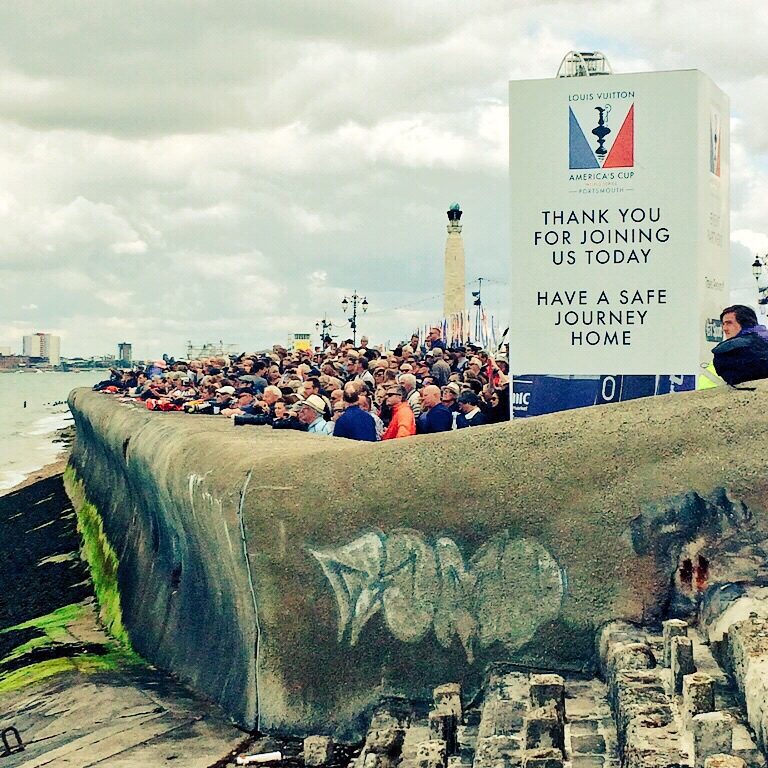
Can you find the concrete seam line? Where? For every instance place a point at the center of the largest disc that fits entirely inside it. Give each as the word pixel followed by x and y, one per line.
pixel 253 592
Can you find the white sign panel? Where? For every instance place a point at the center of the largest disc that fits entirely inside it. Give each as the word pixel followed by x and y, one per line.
pixel 619 223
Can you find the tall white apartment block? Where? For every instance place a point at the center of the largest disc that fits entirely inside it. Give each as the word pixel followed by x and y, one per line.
pixel 44 345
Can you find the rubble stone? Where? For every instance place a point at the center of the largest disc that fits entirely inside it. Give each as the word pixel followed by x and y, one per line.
pixel 543 728
pixel 672 628
pixel 724 761
pixel 698 695
pixel 746 656
pixel 447 698
pixel 681 661
pixel 431 754
pixel 318 750
pixel 712 735
pixel 588 743
pixel 543 758
pixel 385 741
pixel 443 726
pixel 547 689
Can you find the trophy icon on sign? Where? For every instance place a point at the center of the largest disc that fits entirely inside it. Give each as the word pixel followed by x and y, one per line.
pixel 602 130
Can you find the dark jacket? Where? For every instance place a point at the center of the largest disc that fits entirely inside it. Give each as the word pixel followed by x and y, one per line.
pixel 478 420
pixel 744 357
pixel 356 424
pixel 436 419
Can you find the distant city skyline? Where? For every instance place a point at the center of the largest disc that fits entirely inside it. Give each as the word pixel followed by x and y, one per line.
pixel 232 171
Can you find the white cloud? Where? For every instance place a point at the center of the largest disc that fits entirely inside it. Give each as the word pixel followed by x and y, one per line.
pixel 175 172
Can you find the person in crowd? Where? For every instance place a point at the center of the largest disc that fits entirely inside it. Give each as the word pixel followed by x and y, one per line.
pixel 743 355
pixel 440 370
pixel 364 400
pixel 284 419
pixel 354 423
pixel 402 422
pixel 244 403
pixel 310 412
pixel 435 339
pixel 449 394
pixel 471 415
pixel 412 396
pixel 363 349
pixel 312 386
pixel 357 369
pixel 435 417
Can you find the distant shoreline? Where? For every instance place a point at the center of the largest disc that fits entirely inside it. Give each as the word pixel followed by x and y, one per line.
pixel 64 436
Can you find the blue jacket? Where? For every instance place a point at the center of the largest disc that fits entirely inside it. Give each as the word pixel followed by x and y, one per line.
pixel 744 357
pixel 437 419
pixel 356 424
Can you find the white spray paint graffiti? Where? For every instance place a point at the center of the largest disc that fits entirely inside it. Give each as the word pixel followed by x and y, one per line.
pixel 509 587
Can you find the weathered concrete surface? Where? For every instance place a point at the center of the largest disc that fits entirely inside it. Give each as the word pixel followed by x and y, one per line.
pixel 129 719
pixel 375 568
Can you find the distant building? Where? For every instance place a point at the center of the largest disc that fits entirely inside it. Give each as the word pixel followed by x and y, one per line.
pixel 124 353
pixel 45 346
pixel 12 362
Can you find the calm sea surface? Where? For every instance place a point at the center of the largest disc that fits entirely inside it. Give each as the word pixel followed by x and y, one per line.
pixel 27 433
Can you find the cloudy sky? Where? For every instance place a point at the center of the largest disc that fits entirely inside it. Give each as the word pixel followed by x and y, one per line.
pixel 174 171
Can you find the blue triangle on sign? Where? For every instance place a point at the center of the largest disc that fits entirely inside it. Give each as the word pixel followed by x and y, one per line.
pixel 579 153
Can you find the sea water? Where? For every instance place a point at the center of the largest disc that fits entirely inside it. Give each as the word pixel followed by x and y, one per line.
pixel 32 408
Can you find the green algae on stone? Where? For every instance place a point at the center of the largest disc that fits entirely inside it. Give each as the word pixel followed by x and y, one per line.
pixel 114 659
pixel 100 556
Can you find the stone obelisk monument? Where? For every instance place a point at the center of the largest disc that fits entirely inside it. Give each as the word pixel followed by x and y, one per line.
pixel 453 301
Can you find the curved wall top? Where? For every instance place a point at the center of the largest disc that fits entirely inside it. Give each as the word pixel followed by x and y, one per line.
pixel 295 578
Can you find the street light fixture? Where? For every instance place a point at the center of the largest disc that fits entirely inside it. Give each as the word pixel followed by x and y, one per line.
pixel 758 272
pixel 324 327
pixel 356 299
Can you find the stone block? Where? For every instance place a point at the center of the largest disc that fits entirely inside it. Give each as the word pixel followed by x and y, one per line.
pixel 543 728
pixel 588 743
pixel 698 695
pixel 547 689
pixel 377 760
pixel 712 735
pixel 681 661
pixel 443 727
pixel 447 698
pixel 587 761
pixel 672 628
pixel 724 761
pixel 318 750
pixel 431 754
pixel 542 758
pixel 385 741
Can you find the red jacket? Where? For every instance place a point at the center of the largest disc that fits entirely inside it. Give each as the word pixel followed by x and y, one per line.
pixel 403 423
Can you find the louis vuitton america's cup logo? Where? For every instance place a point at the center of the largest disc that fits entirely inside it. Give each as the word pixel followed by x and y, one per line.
pixel 612 149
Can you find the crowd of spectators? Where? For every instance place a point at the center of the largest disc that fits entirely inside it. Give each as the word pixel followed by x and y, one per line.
pixel 341 390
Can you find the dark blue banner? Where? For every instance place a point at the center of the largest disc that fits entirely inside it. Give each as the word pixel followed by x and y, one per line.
pixel 537 395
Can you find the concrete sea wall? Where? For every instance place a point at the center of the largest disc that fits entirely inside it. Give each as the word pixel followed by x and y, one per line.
pixel 295 579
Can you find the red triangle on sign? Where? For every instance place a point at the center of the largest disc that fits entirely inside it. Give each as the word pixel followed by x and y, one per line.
pixel 622 154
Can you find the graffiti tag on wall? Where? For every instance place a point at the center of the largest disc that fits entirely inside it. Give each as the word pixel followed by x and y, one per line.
pixel 507 589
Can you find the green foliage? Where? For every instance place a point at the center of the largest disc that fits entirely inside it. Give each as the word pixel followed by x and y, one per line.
pixel 100 556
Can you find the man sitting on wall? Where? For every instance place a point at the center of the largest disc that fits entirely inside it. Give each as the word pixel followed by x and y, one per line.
pixel 743 356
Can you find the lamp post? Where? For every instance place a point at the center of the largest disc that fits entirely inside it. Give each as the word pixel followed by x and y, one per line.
pixel 356 299
pixel 759 273
pixel 324 327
